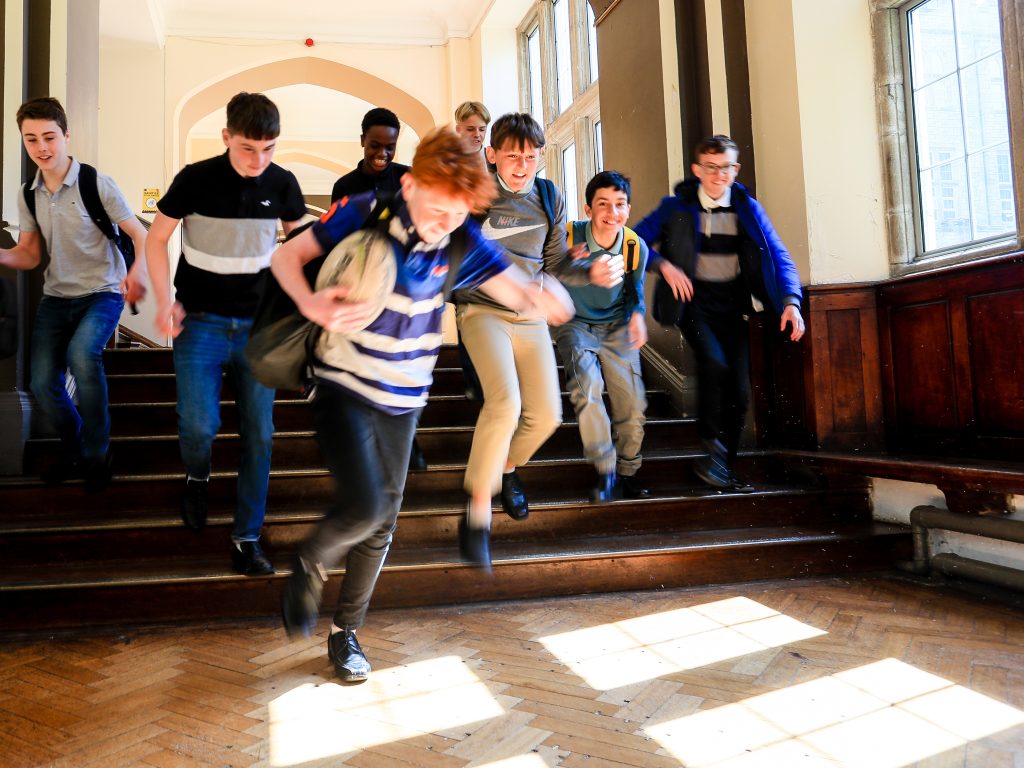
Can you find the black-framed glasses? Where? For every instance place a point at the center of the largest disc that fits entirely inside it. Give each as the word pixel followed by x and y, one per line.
pixel 714 170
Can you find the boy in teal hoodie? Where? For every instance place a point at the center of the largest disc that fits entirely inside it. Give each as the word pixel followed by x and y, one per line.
pixel 601 345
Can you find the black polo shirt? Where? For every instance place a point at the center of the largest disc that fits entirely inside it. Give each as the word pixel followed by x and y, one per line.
pixel 229 231
pixel 354 182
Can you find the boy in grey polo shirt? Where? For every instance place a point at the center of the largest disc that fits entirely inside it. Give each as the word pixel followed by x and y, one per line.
pixel 84 290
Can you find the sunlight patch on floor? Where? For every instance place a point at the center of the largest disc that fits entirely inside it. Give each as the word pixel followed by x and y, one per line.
pixel 313 722
pixel 519 761
pixel 882 715
pixel 631 651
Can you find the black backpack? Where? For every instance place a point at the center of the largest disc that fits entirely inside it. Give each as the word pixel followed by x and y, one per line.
pixel 94 207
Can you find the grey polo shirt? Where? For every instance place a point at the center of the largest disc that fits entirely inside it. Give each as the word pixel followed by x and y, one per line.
pixel 82 260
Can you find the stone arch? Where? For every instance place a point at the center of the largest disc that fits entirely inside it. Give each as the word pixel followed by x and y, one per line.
pixel 306 70
pixel 283 156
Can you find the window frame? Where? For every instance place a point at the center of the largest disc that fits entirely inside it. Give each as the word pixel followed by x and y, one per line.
pixel 574 125
pixel 894 99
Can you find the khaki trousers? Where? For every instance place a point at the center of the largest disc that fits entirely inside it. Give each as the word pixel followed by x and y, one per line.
pixel 515 361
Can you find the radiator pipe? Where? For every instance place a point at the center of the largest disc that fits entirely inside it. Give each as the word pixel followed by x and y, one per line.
pixel 963 567
pixel 925 517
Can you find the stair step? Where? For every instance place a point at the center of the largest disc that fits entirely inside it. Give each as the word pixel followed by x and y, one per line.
pixel 117 362
pixel 160 387
pixel 179 588
pixel 299 449
pixel 60 539
pixel 26 499
pixel 293 414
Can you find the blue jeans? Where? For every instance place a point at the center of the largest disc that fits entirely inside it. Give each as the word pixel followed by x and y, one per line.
pixel 595 356
pixel 71 333
pixel 207 346
pixel 367 451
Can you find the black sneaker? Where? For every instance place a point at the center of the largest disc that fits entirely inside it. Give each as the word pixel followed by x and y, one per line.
pixel 475 544
pixel 513 497
pixel 300 601
pixel 65 468
pixel 417 461
pixel 630 488
pixel 713 471
pixel 350 662
pixel 606 489
pixel 97 473
pixel 248 559
pixel 193 504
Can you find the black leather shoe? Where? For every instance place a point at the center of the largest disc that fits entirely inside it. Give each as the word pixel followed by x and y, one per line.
pixel 66 468
pixel 513 498
pixel 475 545
pixel 249 559
pixel 739 485
pixel 605 490
pixel 96 473
pixel 193 504
pixel 300 601
pixel 350 662
pixel 417 461
pixel 630 488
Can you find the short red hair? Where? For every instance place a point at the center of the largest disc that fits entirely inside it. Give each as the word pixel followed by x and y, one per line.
pixel 443 162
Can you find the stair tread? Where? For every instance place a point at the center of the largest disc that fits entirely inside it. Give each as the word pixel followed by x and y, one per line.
pixel 71 520
pixel 205 569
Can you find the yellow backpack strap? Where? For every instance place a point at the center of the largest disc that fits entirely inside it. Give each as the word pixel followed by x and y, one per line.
pixel 568 230
pixel 630 249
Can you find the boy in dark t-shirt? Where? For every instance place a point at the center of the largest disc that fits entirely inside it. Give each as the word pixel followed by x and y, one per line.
pixel 229 206
pixel 377 171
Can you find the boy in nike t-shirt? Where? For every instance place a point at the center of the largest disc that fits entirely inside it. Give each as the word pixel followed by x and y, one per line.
pixel 512 352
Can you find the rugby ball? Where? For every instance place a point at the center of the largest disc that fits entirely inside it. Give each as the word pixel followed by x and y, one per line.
pixel 366 263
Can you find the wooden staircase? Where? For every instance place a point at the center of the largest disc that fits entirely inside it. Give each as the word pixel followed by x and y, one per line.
pixel 122 556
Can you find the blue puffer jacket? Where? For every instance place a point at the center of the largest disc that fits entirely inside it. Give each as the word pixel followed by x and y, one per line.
pixel 765 264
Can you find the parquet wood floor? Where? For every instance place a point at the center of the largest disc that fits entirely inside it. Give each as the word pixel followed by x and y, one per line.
pixel 829 672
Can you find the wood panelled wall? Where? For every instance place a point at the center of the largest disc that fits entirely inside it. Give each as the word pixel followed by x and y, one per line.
pixel 928 363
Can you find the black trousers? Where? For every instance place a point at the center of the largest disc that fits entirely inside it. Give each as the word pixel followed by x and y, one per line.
pixel 716 329
pixel 367 452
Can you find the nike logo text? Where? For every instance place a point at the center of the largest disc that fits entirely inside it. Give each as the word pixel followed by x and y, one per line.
pixel 491 233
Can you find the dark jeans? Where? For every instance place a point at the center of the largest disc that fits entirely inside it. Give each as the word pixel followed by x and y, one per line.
pixel 367 451
pixel 207 346
pixel 719 336
pixel 71 333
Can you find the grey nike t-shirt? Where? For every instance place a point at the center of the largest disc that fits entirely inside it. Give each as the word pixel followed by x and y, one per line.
pixel 517 222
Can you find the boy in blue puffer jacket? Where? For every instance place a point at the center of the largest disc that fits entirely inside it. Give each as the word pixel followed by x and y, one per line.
pixel 720 259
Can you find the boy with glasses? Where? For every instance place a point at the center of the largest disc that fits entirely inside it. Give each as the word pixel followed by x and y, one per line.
pixel 720 259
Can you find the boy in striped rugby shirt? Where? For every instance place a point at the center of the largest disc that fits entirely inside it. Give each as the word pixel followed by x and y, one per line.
pixel 368 399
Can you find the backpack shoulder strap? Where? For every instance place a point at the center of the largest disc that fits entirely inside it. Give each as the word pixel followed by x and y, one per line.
pixel 569 234
pixel 30 198
pixel 630 249
pixel 546 189
pixel 91 199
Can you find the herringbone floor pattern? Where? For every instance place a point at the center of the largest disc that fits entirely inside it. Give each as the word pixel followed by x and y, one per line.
pixel 827 672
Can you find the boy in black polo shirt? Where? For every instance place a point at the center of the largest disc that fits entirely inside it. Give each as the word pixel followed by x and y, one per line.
pixel 230 206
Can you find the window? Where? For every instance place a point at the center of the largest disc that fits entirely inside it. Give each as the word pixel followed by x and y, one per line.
pixel 558 62
pixel 958 123
pixel 570 187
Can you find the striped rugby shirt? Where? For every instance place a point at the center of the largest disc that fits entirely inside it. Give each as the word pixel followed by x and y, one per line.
pixel 389 365
pixel 228 232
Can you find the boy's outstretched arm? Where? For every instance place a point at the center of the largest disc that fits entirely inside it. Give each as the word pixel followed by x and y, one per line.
pixel 26 254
